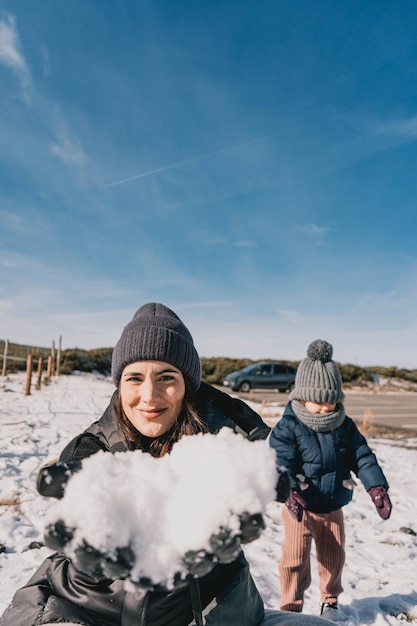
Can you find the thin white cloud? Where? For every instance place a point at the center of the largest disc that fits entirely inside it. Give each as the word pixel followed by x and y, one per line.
pixel 46 63
pixel 311 229
pixel 294 317
pixel 65 145
pixel 215 241
pixel 11 54
pixel 8 264
pixel 11 220
pixel 186 162
pixel 221 241
pixel 406 127
pixel 69 151
pixel 245 244
pixel 5 307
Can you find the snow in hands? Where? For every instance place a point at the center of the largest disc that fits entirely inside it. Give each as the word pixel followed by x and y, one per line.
pixel 149 515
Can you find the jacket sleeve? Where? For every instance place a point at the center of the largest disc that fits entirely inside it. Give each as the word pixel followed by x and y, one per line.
pixel 283 441
pixel 58 593
pixel 52 478
pixel 215 405
pixel 363 461
pixel 81 447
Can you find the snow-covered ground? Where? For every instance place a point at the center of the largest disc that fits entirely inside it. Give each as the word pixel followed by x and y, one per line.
pixel 381 565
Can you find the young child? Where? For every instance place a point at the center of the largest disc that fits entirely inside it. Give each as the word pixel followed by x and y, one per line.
pixel 320 446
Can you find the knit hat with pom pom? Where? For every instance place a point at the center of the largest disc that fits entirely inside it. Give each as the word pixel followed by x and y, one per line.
pixel 156 333
pixel 318 378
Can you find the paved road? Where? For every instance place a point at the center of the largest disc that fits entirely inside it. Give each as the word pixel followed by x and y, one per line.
pixel 396 410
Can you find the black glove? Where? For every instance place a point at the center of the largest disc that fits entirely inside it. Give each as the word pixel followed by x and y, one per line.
pixel 282 486
pixel 198 563
pixel 120 565
pixel 57 535
pixel 87 559
pixel 52 479
pixel 251 526
pixel 259 432
pixel 225 546
pixel 91 561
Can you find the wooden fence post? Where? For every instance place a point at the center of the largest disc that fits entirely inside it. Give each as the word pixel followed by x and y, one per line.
pixel 29 364
pixel 58 358
pixel 53 359
pixel 49 370
pixel 6 347
pixel 39 380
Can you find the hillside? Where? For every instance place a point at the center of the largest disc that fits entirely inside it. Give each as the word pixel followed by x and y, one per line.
pixel 214 369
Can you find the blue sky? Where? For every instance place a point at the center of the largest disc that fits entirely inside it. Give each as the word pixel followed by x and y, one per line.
pixel 249 163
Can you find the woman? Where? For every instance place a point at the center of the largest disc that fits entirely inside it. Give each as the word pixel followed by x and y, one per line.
pixel 159 398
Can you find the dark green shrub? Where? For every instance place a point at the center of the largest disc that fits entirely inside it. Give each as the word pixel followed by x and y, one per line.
pixel 98 360
pixel 353 373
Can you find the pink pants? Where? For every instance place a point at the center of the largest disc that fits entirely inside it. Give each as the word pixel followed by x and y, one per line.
pixel 328 532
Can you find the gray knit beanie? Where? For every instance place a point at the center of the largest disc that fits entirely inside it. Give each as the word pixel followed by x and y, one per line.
pixel 157 334
pixel 318 378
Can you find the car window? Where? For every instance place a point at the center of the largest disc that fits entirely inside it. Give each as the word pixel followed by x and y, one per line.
pixel 262 370
pixel 280 369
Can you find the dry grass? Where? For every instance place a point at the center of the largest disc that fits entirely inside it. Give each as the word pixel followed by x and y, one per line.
pixel 371 430
pixel 367 424
pixel 10 501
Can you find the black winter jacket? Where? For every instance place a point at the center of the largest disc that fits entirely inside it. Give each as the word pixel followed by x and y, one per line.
pixel 58 592
pixel 324 460
pixel 217 409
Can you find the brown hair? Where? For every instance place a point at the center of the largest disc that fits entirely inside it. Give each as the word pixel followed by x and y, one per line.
pixel 188 423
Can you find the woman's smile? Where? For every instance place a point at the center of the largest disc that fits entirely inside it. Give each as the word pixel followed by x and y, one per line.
pixel 150 414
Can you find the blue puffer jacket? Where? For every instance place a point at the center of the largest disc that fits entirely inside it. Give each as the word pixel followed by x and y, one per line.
pixel 325 460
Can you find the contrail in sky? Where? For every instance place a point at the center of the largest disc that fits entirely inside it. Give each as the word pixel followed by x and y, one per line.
pixel 187 162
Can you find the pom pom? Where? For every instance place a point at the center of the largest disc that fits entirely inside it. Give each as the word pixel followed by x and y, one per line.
pixel 320 350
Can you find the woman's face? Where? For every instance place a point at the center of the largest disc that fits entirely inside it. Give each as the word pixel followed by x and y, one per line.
pixel 152 395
